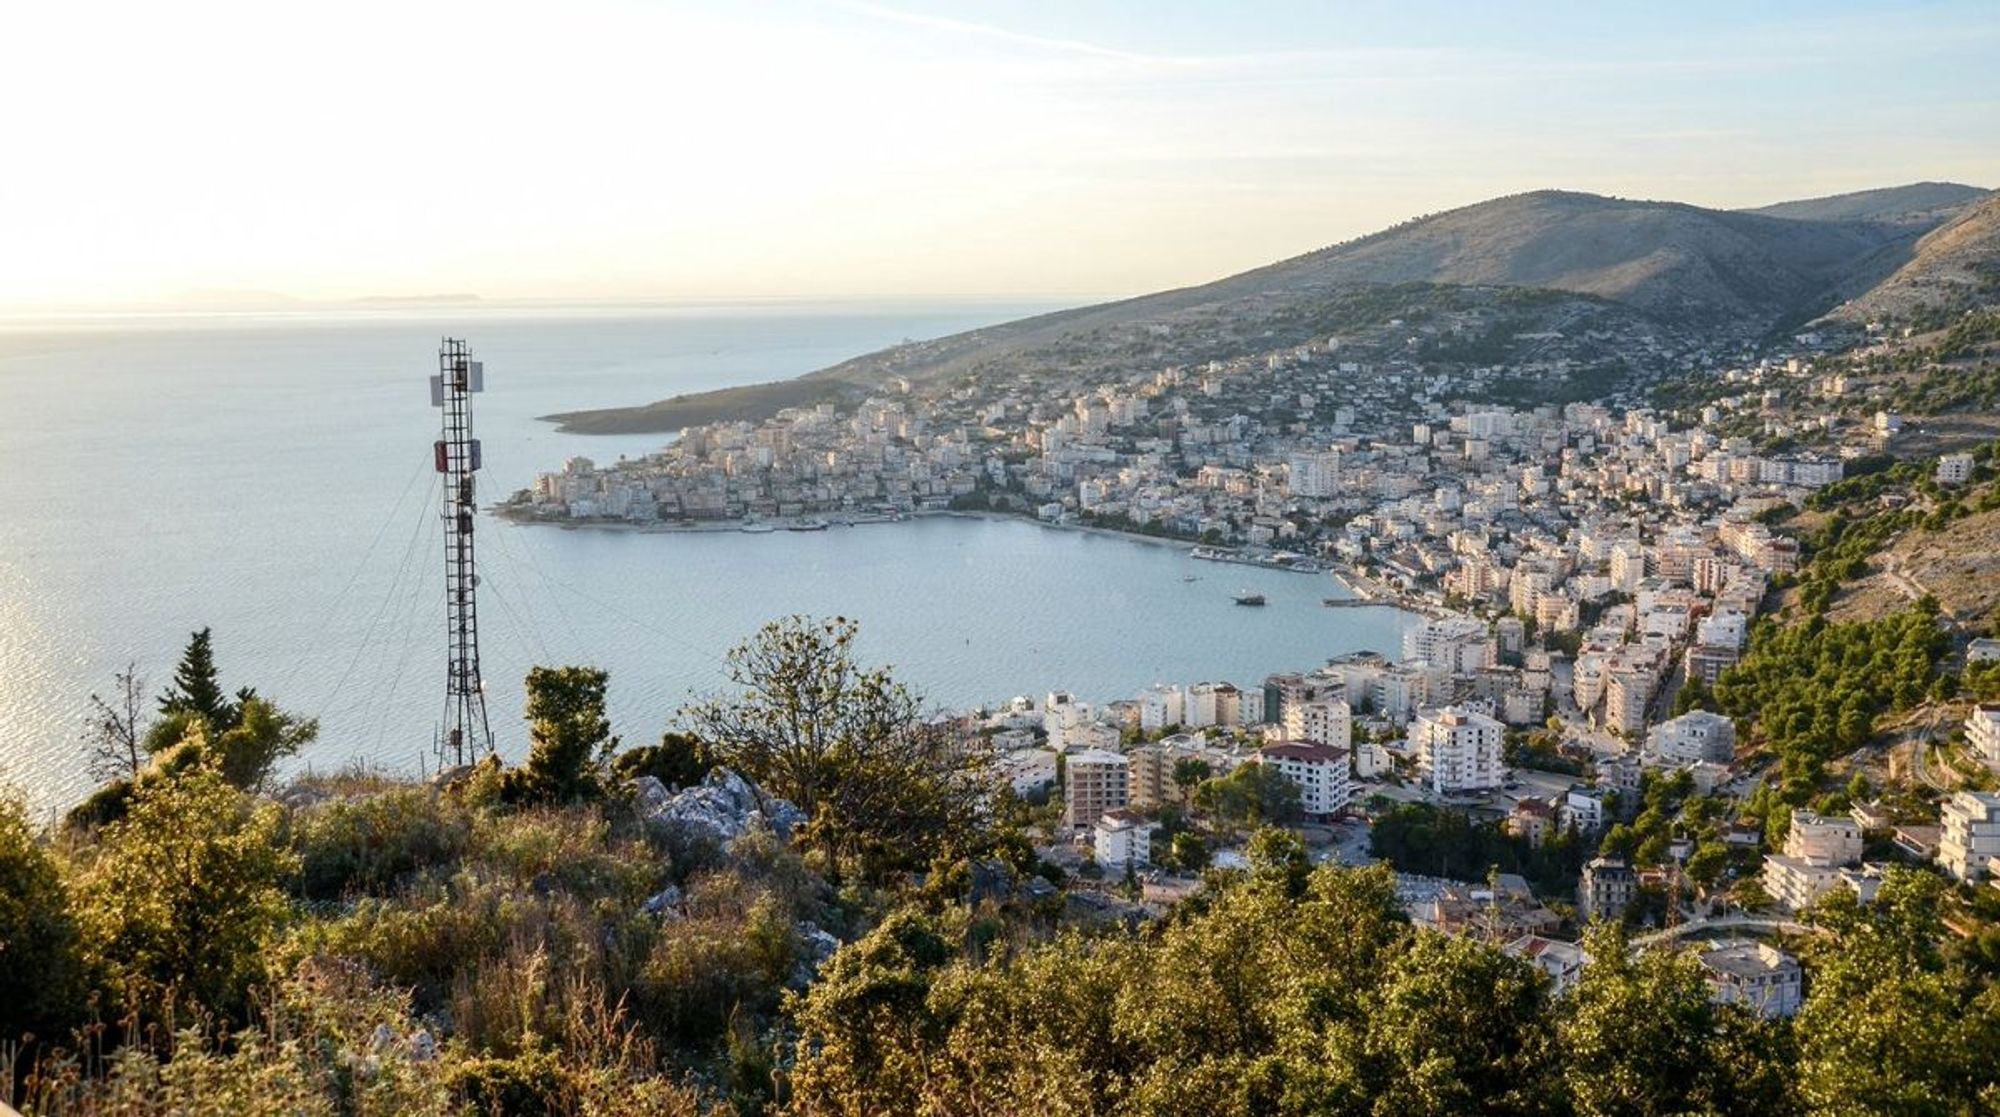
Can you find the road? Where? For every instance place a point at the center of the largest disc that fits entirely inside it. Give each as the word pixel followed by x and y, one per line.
pixel 1727 922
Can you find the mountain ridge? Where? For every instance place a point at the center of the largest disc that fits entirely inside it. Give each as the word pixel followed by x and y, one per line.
pixel 1693 271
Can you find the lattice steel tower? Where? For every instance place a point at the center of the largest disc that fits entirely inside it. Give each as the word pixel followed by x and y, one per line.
pixel 464 735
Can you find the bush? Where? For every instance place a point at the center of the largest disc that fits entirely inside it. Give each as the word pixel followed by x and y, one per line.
pixel 41 960
pixel 184 894
pixel 679 760
pixel 370 844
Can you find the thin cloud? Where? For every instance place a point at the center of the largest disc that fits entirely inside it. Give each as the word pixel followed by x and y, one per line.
pixel 992 31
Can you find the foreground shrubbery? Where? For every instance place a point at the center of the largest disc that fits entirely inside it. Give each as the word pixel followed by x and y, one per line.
pixel 1283 993
pixel 533 940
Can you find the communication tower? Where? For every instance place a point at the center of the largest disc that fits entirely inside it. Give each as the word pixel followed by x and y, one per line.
pixel 464 735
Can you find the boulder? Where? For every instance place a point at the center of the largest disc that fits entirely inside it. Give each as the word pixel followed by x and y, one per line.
pixel 723 807
pixel 816 945
pixel 666 903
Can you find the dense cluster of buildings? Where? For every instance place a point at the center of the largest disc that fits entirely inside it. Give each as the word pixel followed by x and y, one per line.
pixel 1574 565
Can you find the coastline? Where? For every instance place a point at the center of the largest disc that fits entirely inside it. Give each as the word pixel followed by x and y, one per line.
pixel 1361 586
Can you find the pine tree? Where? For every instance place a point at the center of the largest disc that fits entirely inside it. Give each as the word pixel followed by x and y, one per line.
pixel 195 691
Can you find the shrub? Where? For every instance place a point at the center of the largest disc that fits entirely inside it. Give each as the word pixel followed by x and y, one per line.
pixel 41 961
pixel 184 895
pixel 369 844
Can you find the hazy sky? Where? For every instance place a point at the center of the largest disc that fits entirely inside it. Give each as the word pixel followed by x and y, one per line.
pixel 664 148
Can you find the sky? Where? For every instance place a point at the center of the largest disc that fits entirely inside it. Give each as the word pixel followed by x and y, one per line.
pixel 670 149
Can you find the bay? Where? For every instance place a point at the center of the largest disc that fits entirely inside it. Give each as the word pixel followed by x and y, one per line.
pixel 268 475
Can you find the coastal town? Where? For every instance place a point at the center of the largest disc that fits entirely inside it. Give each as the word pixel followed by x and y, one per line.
pixel 1578 576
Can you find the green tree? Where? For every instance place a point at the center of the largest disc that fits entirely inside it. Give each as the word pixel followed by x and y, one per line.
pixel 1890 1027
pixel 1189 771
pixel 184 893
pixel 569 736
pixel 197 691
pixel 679 760
pixel 1278 856
pixel 1258 794
pixel 880 786
pixel 1189 852
pixel 262 735
pixel 1638 1036
pixel 41 964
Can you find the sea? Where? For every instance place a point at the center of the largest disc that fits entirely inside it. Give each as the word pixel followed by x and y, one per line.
pixel 268 475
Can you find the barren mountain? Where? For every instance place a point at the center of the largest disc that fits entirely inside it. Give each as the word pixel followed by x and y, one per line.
pixel 1956 263
pixel 1688 271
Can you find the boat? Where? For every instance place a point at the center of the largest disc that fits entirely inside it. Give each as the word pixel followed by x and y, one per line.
pixel 757 529
pixel 807 525
pixel 1191 578
pixel 1247 598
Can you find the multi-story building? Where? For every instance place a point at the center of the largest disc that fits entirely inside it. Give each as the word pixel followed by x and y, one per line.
pixel 1816 851
pixel 1123 842
pixel 1954 469
pixel 1162 707
pixel 1459 643
pixel 1321 772
pixel 1457 750
pixel 1605 889
pixel 1095 782
pixel 1970 839
pixel 1693 736
pixel 1563 962
pixel 1326 722
pixel 1199 707
pixel 1761 978
pixel 1982 732
pixel 1707 662
pixel 1531 820
pixel 1823 840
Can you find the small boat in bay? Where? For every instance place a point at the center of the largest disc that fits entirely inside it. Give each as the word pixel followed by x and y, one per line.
pixel 1248 598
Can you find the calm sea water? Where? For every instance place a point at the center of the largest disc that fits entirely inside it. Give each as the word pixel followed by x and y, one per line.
pixel 268 475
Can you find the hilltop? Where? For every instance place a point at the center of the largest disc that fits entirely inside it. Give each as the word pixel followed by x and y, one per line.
pixel 1651 268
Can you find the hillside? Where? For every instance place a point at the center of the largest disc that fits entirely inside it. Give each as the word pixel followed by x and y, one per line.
pixel 1688 272
pixel 1924 202
pixel 1957 262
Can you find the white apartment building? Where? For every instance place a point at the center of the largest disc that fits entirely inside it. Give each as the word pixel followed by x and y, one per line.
pixel 1971 837
pixel 1816 850
pixel 1397 692
pixel 1328 722
pixel 1321 772
pixel 1982 732
pixel 1061 712
pixel 1727 630
pixel 1095 782
pixel 1761 978
pixel 1694 736
pixel 1461 644
pixel 1315 476
pixel 1628 691
pixel 1122 842
pixel 1821 840
pixel 1198 707
pixel 1457 750
pixel 1161 707
pixel 1954 469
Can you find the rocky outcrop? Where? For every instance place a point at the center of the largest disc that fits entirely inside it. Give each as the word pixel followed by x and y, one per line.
pixel 722 808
